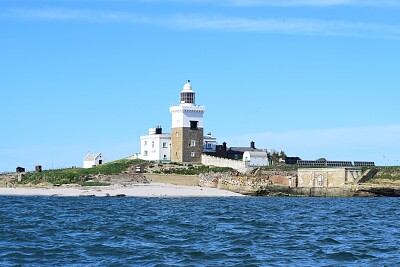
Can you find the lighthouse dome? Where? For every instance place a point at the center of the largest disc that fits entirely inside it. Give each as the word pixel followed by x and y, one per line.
pixel 187 86
pixel 187 94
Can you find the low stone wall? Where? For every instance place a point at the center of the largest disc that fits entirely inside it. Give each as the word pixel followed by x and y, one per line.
pixel 238 165
pixel 232 181
pixel 175 179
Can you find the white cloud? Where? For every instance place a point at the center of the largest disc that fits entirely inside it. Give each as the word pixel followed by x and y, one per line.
pixel 248 3
pixel 318 3
pixel 286 26
pixel 74 14
pixel 290 3
pixel 219 23
pixel 380 144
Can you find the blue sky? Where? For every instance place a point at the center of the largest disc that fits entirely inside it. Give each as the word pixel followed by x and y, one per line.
pixel 312 78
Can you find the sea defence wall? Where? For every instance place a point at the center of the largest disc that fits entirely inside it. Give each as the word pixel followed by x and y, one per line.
pixel 327 177
pixel 238 165
pixel 278 184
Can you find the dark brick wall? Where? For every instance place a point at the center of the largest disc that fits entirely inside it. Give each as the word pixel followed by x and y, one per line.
pixel 181 149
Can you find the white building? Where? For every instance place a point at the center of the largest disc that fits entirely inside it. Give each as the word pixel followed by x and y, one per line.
pixel 92 160
pixel 256 158
pixel 156 146
pixel 209 144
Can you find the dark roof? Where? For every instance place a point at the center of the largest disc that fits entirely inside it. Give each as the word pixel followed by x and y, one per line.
pixel 242 149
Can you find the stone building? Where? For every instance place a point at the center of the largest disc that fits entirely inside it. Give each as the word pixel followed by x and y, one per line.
pixel 327 177
pixel 187 128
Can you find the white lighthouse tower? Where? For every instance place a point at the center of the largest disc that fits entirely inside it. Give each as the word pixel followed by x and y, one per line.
pixel 187 128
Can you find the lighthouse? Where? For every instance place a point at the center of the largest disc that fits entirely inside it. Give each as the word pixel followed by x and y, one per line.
pixel 187 128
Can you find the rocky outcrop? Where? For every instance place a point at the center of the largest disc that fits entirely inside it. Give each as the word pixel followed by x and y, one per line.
pixel 381 191
pixel 270 184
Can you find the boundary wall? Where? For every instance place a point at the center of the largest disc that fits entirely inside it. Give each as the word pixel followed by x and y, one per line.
pixel 238 165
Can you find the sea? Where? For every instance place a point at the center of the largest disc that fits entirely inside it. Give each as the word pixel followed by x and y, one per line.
pixel 230 231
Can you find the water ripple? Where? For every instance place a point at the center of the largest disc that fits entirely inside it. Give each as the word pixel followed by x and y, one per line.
pixel 62 231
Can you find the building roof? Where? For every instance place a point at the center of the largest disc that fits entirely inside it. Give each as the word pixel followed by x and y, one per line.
pixel 242 149
pixel 153 136
pixel 91 156
pixel 257 154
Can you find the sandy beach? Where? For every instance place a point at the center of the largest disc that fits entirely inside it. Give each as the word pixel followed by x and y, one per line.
pixel 136 190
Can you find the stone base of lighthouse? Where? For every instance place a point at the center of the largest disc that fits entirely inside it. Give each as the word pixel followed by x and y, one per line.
pixel 183 149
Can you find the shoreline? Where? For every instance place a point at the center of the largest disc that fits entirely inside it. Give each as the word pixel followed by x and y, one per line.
pixel 133 190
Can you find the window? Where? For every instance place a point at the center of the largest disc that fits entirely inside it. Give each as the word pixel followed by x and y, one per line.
pixel 192 154
pixel 193 125
pixel 145 142
pixel 187 98
pixel 152 144
pixel 320 180
pixel 145 153
pixel 193 143
pixel 208 146
pixel 164 145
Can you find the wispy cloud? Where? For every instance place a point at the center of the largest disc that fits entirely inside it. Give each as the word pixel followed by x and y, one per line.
pixel 74 14
pixel 291 3
pixel 218 23
pixel 287 26
pixel 248 3
pixel 358 143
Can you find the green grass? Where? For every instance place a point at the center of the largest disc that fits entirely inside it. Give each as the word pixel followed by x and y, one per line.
pixel 281 167
pixel 195 170
pixel 388 172
pixel 73 175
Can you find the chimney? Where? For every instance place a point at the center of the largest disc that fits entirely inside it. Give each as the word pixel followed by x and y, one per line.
pixel 252 145
pixel 224 145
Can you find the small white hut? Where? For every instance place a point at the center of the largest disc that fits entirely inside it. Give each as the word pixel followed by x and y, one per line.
pixel 92 160
pixel 256 158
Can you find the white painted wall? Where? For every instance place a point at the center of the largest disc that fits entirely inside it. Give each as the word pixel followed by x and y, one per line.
pixel 182 115
pixel 209 144
pixel 238 165
pixel 157 146
pixel 256 158
pixel 90 163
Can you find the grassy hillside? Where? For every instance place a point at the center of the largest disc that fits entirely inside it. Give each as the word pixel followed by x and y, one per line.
pixel 66 176
pixel 389 175
pixel 385 175
pixel 184 169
